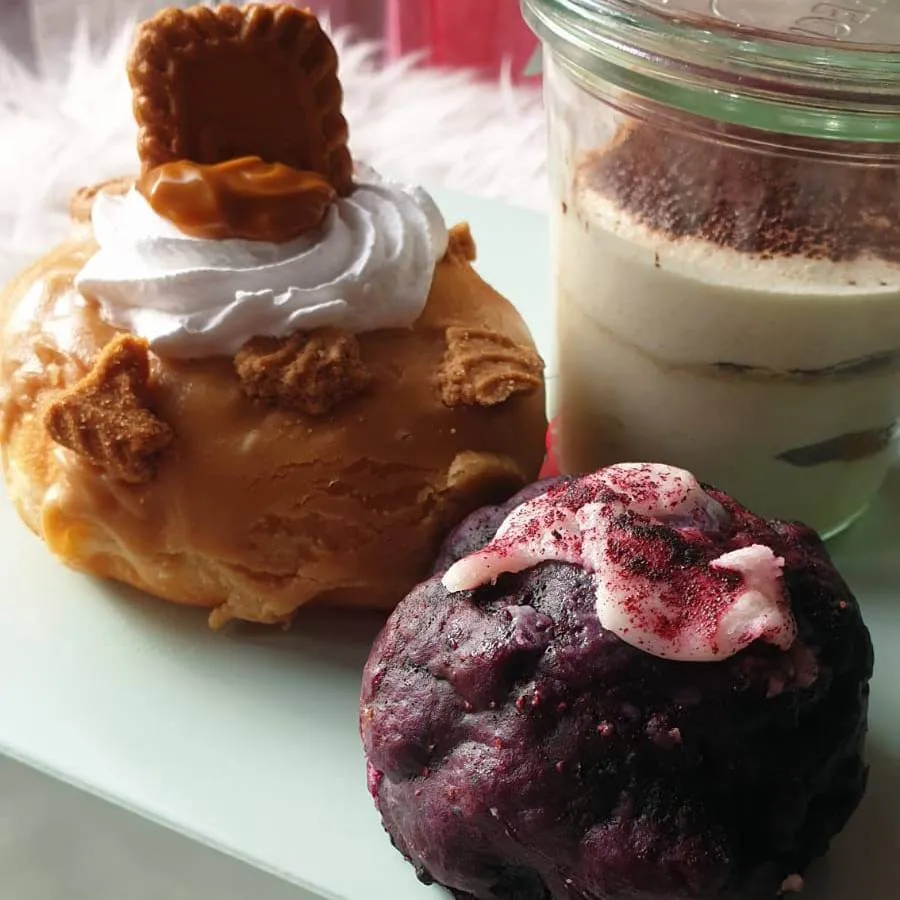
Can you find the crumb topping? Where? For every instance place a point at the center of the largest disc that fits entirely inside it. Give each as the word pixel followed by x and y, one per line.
pixel 106 418
pixel 309 372
pixel 484 368
pixel 461 244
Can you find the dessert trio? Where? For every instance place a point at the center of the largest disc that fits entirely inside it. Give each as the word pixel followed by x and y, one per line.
pixel 261 376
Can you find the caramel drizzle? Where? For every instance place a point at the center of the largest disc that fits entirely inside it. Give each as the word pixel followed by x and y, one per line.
pixel 243 198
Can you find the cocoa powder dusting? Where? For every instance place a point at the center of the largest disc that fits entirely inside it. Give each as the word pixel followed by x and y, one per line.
pixel 753 202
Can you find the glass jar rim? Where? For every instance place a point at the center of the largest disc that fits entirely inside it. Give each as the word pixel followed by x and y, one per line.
pixel 791 84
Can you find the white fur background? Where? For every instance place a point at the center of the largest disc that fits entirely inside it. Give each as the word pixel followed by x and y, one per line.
pixel 65 121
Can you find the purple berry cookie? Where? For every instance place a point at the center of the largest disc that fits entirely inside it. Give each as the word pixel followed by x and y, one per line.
pixel 620 686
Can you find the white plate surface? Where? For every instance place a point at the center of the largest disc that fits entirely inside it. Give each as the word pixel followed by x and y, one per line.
pixel 247 741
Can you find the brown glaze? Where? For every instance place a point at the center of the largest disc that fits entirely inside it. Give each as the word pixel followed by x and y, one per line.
pixel 241 198
pixel 256 511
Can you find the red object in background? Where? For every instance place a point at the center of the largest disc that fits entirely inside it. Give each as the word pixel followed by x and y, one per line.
pixel 474 34
pixel 551 466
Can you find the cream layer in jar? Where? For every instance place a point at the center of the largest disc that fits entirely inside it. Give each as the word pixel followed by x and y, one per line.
pixel 773 375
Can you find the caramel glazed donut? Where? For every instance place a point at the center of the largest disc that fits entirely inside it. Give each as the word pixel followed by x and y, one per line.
pixel 190 479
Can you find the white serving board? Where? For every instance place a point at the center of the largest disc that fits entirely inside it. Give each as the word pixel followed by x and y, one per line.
pixel 247 741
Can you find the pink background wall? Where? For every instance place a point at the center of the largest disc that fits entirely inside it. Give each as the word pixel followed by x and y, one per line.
pixel 476 34
pixel 367 15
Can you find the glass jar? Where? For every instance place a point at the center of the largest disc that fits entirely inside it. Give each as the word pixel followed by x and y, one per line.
pixel 726 182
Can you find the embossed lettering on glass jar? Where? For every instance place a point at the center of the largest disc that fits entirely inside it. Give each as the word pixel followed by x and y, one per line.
pixel 727 175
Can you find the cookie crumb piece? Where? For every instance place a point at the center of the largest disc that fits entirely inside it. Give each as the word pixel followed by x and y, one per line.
pixel 484 368
pixel 211 84
pixel 82 201
pixel 310 372
pixel 461 244
pixel 105 418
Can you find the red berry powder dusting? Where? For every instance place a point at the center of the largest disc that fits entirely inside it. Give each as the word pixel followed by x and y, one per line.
pixel 672 577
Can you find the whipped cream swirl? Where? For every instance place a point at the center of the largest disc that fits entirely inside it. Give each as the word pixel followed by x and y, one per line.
pixel 369 266
pixel 668 578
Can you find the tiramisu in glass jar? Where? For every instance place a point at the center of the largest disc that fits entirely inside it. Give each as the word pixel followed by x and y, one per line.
pixel 726 177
